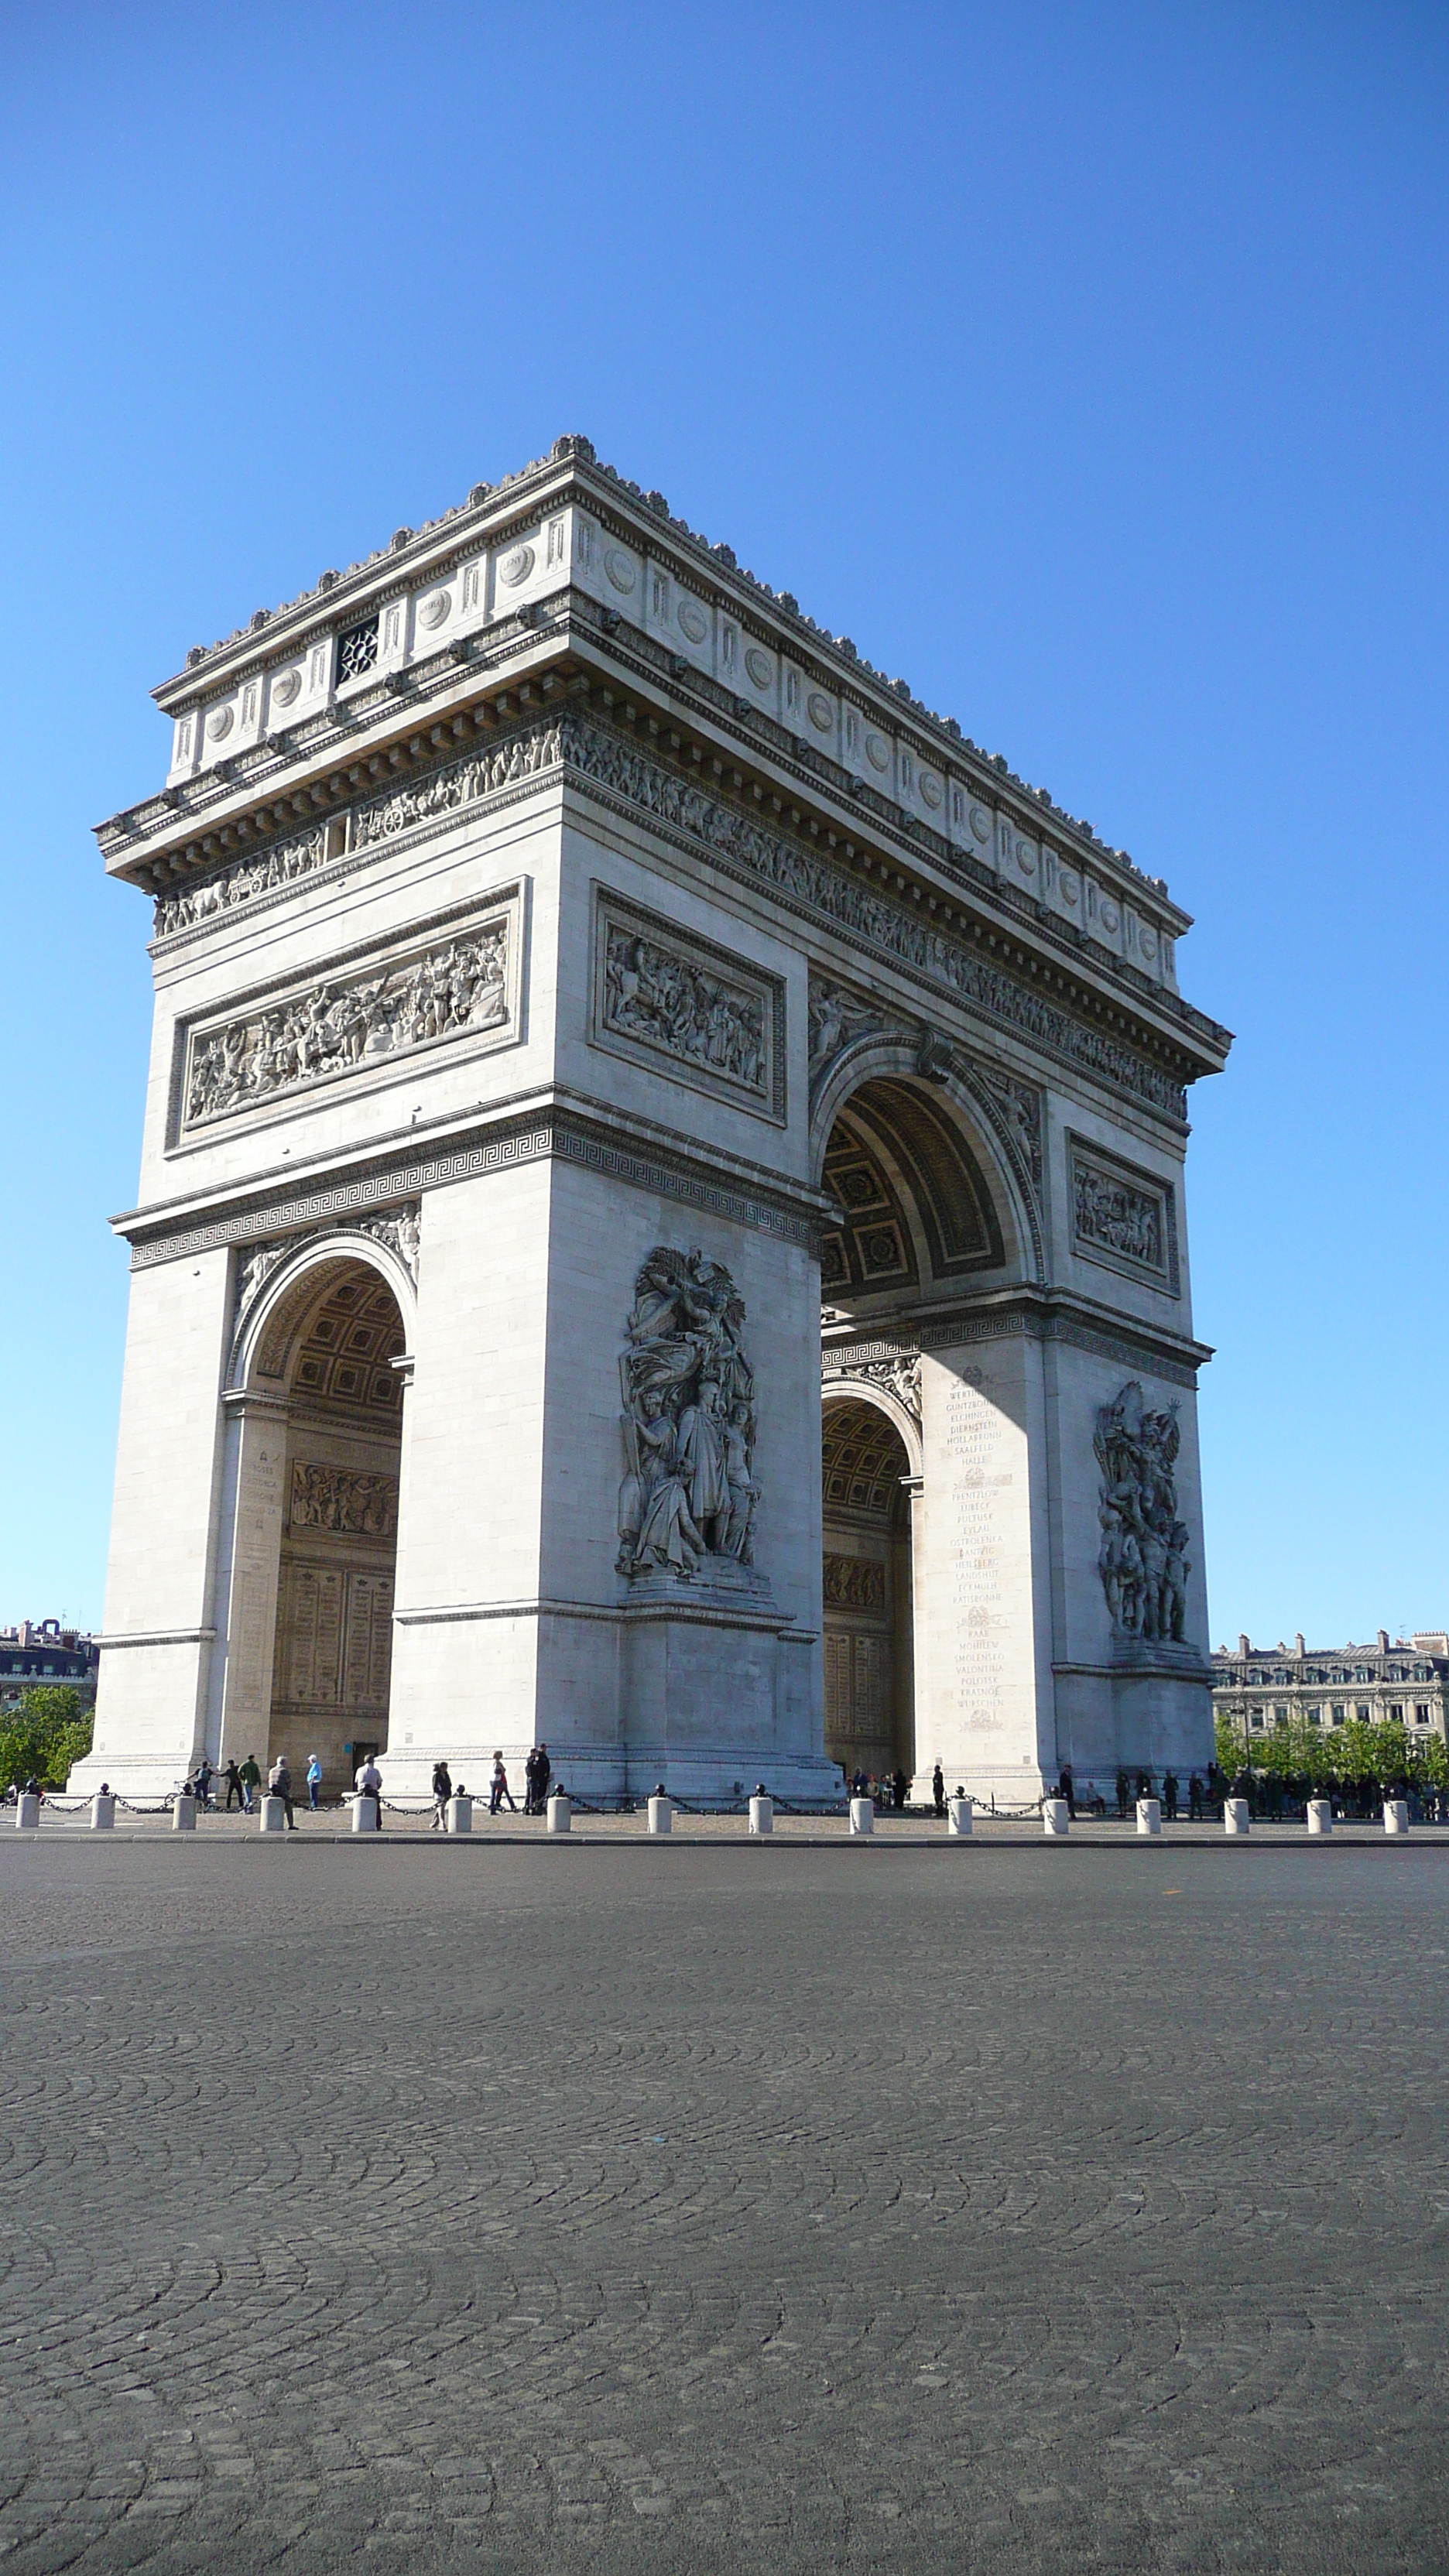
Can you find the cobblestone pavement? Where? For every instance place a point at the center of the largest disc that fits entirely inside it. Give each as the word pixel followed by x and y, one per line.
pixel 692 2210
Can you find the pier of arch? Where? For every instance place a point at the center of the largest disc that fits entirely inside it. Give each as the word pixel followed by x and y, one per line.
pixel 746 1129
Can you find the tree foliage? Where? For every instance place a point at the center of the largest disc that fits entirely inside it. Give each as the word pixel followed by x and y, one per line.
pixel 44 1737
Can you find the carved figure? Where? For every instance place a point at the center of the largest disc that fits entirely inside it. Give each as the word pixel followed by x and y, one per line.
pixel 689 1489
pixel 657 994
pixel 461 986
pixel 1117 1218
pixel 1143 1559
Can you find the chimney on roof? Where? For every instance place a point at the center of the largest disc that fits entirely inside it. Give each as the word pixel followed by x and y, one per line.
pixel 1383 1641
pixel 1299 1649
pixel 1245 1646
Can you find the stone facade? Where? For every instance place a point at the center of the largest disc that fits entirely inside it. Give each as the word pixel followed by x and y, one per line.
pixel 599 1023
pixel 1259 1688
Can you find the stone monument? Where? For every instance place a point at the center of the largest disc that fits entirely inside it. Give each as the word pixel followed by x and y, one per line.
pixel 660 1224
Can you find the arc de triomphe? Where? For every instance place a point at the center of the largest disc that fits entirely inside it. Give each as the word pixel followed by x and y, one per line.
pixel 661 1221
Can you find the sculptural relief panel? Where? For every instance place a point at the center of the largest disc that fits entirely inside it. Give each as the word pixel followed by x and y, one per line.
pixel 1143 1559
pixel 1122 1217
pixel 285 1041
pixel 688 1499
pixel 688 1008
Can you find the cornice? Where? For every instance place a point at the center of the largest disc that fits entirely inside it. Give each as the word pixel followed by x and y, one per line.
pixel 1042 1314
pixel 550 1124
pixel 491 516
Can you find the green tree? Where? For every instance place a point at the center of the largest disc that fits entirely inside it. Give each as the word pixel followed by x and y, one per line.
pixel 1231 1748
pixel 44 1737
pixel 1433 1764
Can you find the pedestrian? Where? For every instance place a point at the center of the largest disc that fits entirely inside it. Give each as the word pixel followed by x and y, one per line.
pixel 938 1790
pixel 499 1789
pixel 233 1778
pixel 204 1777
pixel 368 1784
pixel 1066 1788
pixel 1121 1793
pixel 442 1792
pixel 313 1778
pixel 1194 1800
pixel 544 1776
pixel 530 1779
pixel 251 1780
pixel 899 1785
pixel 1169 1796
pixel 279 1784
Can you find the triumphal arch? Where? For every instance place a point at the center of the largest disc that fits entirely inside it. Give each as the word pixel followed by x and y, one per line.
pixel 661 1219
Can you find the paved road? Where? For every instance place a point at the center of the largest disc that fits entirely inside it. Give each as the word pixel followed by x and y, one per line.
pixel 690 2210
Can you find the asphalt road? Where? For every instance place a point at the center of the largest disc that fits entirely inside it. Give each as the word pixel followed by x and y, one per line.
pixel 700 2208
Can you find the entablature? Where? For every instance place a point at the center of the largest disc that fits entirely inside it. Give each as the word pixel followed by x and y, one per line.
pixel 567 557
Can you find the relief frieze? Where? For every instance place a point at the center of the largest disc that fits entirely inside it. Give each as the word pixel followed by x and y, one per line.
pixel 343 1500
pixel 713 1023
pixel 854 1583
pixel 1123 1217
pixel 346 1022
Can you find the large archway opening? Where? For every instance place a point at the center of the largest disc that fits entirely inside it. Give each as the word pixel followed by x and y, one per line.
pixel 867 1588
pixel 332 1345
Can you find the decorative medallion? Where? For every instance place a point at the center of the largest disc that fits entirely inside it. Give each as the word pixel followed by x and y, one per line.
pixel 436 607
pixel 760 667
pixel 1070 885
pixel 516 566
pixel 693 621
pixel 287 690
pixel 1146 940
pixel 620 570
pixel 930 788
pixel 980 823
pixel 876 752
pixel 1111 917
pixel 1026 858
pixel 219 724
pixel 820 711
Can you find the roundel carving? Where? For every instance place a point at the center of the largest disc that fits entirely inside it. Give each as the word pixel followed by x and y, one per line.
pixel 516 566
pixel 1070 885
pixel 876 752
pixel 980 823
pixel 619 569
pixel 1026 858
pixel 287 690
pixel 930 788
pixel 760 667
pixel 1147 941
pixel 1111 917
pixel 820 711
pixel 693 621
pixel 219 724
pixel 435 607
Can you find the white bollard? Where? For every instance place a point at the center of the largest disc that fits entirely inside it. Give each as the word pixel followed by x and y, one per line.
pixel 1235 1815
pixel 103 1813
pixel 1054 1817
pixel 27 1808
pixel 661 1814
pixel 366 1815
pixel 560 1813
pixel 183 1815
pixel 1320 1815
pixel 1396 1816
pixel 762 1813
pixel 959 1814
pixel 862 1815
pixel 273 1815
pixel 460 1815
pixel 1149 1815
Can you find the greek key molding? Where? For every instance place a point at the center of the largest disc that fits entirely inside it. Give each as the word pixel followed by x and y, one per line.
pixel 661 1175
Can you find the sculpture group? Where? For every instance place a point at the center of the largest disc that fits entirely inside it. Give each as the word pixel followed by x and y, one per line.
pixel 689 1492
pixel 1143 1557
pixel 337 1026
pixel 671 1003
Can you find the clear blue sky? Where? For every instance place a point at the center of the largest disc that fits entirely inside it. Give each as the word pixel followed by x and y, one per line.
pixel 1086 364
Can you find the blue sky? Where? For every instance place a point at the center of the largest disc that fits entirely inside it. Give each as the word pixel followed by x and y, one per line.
pixel 1086 364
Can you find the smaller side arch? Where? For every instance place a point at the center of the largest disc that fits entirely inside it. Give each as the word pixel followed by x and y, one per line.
pixel 987 1133
pixel 269 1321
pixel 868 1382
